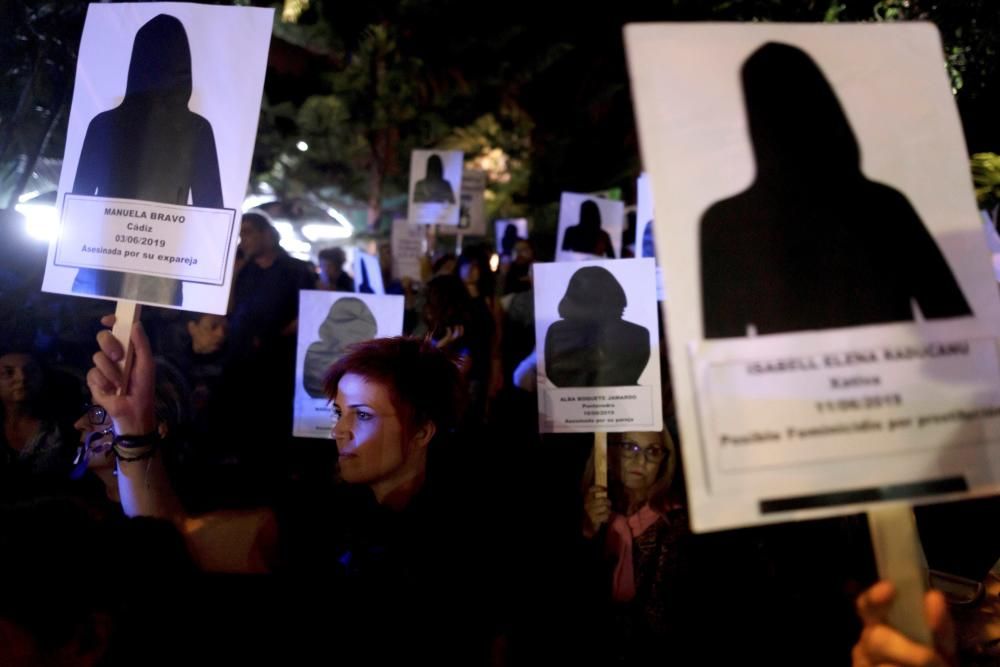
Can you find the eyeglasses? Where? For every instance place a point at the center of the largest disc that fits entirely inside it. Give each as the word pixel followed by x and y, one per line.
pixel 97 415
pixel 633 450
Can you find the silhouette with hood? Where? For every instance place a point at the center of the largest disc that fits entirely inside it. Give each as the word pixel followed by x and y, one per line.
pixel 349 321
pixel 434 188
pixel 587 236
pixel 812 243
pixel 150 147
pixel 592 346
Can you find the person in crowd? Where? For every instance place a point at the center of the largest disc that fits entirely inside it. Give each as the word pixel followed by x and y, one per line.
pixel 382 540
pixel 639 523
pixel 464 327
pixel 516 273
pixel 34 445
pixel 265 288
pixel 446 264
pixel 198 349
pixel 332 275
pixel 260 370
pixel 149 474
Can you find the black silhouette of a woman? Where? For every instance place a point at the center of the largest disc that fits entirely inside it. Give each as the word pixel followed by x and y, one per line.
pixel 812 243
pixel 433 188
pixel 587 236
pixel 150 147
pixel 592 346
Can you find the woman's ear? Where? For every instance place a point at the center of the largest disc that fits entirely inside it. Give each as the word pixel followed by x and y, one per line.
pixel 423 435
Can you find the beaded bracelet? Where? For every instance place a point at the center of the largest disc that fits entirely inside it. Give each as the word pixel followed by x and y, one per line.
pixel 131 448
pixel 131 455
pixel 130 441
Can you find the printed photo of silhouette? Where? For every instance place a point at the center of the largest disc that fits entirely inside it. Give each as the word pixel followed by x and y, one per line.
pixel 434 187
pixel 349 321
pixel 368 274
pixel 592 346
pixel 813 243
pixel 587 236
pixel 150 147
pixel 508 240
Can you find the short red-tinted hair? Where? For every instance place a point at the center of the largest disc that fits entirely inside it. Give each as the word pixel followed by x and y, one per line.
pixel 424 383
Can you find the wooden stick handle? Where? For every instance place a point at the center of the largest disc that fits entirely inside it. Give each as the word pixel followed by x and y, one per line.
pixel 601 459
pixel 900 559
pixel 126 313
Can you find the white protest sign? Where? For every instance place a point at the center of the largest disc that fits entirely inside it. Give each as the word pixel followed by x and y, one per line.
pixel 832 313
pixel 329 322
pixel 508 232
pixel 472 211
pixel 645 245
pixel 589 227
pixel 190 243
pixel 435 187
pixel 158 150
pixel 408 244
pixel 367 274
pixel 598 347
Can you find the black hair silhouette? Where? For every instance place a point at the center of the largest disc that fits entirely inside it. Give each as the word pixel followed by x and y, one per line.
pixel 434 187
pixel 150 147
pixel 365 286
pixel 587 236
pixel 592 346
pixel 812 243
pixel 349 321
pixel 508 240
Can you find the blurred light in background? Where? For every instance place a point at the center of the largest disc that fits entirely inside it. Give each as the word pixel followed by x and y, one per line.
pixel 41 218
pixel 318 232
pixel 291 242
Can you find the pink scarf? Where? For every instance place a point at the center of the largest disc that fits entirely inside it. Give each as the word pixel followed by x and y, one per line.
pixel 621 531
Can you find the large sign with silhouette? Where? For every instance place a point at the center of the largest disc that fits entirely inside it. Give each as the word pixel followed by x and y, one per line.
pixel 329 323
pixel 589 227
pixel 158 150
pixel 645 242
pixel 367 274
pixel 597 341
pixel 508 232
pixel 408 243
pixel 435 187
pixel 832 315
pixel 472 206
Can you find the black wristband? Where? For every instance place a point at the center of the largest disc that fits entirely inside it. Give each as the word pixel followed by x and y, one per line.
pixel 130 441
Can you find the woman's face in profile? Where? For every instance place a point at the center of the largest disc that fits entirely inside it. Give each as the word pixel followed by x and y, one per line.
pixel 368 431
pixel 640 458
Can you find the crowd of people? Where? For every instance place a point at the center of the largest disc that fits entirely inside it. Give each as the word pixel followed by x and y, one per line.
pixel 169 513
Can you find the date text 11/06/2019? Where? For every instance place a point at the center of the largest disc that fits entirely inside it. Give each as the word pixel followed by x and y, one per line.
pixel 859 403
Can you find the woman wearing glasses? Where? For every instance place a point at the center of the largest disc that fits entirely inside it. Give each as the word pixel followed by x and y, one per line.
pixel 639 523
